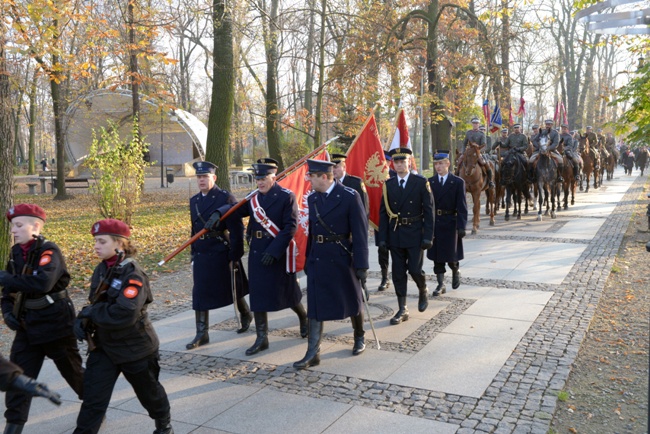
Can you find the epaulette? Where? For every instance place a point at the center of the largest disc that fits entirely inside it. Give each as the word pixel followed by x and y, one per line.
pixel 286 190
pixel 350 190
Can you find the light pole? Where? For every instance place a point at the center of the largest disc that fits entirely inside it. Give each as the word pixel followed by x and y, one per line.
pixel 162 151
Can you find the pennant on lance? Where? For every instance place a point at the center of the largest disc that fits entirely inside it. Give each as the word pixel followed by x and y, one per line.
pixel 496 122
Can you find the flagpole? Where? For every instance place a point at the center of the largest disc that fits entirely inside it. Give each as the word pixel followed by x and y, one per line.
pixel 248 197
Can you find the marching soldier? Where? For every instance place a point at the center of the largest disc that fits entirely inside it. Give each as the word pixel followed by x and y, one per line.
pixel 126 342
pixel 383 254
pixel 271 259
pixel 571 150
pixel 451 219
pixel 517 144
pixel 476 136
pixel 36 305
pixel 216 256
pixel 406 229
pixel 553 139
pixel 337 259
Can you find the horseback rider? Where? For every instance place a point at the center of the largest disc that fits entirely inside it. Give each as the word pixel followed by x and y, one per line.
pixel 534 133
pixel 476 136
pixel 553 138
pixel 516 144
pixel 592 138
pixel 499 144
pixel 610 145
pixel 571 150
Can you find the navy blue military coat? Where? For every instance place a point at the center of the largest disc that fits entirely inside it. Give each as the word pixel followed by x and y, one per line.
pixel 333 290
pixel 211 255
pixel 356 183
pixel 271 287
pixel 447 245
pixel 411 202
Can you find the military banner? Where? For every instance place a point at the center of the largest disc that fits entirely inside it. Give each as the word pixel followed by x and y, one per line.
pixel 366 159
pixel 401 137
pixel 297 182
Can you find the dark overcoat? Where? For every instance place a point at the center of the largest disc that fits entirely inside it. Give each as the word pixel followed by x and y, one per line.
pixel 271 287
pixel 333 290
pixel 411 202
pixel 211 255
pixel 356 183
pixel 449 198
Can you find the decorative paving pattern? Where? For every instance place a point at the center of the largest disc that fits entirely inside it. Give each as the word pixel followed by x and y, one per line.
pixel 521 398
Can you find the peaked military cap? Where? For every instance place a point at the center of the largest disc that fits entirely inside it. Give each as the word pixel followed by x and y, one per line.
pixel 535 126
pixel 589 127
pixel 267 160
pixel 548 121
pixel 516 126
pixel 504 130
pixel 387 156
pixel 338 158
pixel 475 120
pixel 320 166
pixel 565 125
pixel 481 128
pixel 262 170
pixel 204 167
pixel 441 155
pixel 400 153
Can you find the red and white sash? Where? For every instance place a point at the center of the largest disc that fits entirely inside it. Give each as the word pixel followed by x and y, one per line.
pixel 273 229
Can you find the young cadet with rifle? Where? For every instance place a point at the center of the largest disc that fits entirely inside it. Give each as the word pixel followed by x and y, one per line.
pixel 123 337
pixel 35 304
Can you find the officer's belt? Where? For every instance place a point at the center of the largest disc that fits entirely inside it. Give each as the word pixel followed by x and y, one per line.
pixel 329 238
pixel 213 235
pixel 408 220
pixel 446 212
pixel 262 234
pixel 46 300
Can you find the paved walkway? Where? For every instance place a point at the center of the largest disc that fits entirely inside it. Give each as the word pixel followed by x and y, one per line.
pixel 488 357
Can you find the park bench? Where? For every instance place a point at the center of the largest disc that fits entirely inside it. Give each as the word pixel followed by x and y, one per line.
pixel 72 183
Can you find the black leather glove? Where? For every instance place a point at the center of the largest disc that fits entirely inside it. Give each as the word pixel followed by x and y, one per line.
pixel 426 244
pixel 86 312
pixel 80 329
pixel 268 259
pixel 213 221
pixel 461 233
pixel 362 274
pixel 383 248
pixel 25 384
pixel 4 278
pixel 11 321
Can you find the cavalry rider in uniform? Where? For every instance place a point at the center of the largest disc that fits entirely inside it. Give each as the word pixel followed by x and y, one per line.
pixel 571 150
pixel 406 229
pixel 533 134
pixel 336 258
pixel 476 136
pixel 610 145
pixel 451 219
pixel 516 144
pixel 593 147
pixel 601 143
pixel 271 259
pixel 216 256
pixel 499 144
pixel 488 138
pixel 553 140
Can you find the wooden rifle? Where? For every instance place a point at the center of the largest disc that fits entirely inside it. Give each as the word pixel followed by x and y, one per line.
pixel 100 295
pixel 30 265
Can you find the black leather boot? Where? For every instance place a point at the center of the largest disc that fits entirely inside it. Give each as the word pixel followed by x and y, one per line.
pixel 402 313
pixel 164 426
pixel 423 301
pixel 302 317
pixel 385 283
pixel 262 330
pixel 12 428
pixel 441 288
pixel 245 315
pixel 312 357
pixel 490 177
pixel 455 278
pixel 202 336
pixel 560 169
pixel 359 333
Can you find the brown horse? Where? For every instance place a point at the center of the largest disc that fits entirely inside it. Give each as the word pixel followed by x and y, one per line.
pixel 569 184
pixel 588 163
pixel 476 182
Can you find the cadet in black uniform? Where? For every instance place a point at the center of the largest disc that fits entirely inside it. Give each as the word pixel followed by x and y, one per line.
pixel 451 219
pixel 383 256
pixel 44 324
pixel 125 340
pixel 337 259
pixel 216 256
pixel 406 229
pixel 13 379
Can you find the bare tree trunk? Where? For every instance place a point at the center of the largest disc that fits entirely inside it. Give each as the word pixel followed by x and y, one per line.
pixel 321 78
pixel 6 146
pixel 32 126
pixel 506 98
pixel 309 64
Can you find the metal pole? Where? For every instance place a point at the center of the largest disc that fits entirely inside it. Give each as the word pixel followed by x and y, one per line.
pixel 421 132
pixel 162 158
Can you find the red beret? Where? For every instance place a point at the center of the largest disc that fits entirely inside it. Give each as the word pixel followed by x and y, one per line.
pixel 26 209
pixel 111 227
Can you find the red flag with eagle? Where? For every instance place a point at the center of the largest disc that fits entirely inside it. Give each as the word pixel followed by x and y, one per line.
pixel 401 137
pixel 366 159
pixel 297 182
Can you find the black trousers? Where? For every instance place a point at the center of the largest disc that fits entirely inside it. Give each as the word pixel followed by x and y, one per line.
pixel 407 260
pixel 383 260
pixel 65 355
pixel 439 267
pixel 99 381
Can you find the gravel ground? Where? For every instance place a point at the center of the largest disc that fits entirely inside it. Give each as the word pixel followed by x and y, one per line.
pixel 607 390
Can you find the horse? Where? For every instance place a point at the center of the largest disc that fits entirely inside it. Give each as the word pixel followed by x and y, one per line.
pixel 546 174
pixel 610 165
pixel 628 162
pixel 588 163
pixel 569 184
pixel 515 179
pixel 642 159
pixel 476 182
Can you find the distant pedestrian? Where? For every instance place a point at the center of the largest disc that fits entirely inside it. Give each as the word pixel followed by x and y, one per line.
pixel 44 164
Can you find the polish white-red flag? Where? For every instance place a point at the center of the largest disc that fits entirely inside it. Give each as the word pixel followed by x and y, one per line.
pixel 401 137
pixel 297 182
pixel 366 159
pixel 522 109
